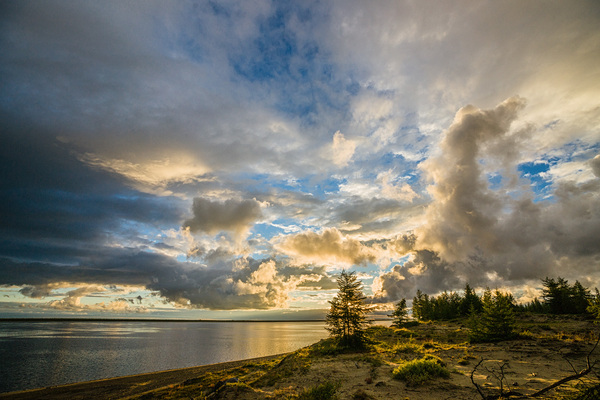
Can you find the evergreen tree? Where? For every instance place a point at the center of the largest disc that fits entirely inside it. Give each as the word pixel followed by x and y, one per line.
pixel 470 302
pixel 347 317
pixel 557 295
pixel 400 314
pixel 534 306
pixel 594 305
pixel 562 298
pixel 422 307
pixel 496 320
pixel 580 297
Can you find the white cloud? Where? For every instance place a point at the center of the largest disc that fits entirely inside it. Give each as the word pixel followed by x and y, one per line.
pixel 342 149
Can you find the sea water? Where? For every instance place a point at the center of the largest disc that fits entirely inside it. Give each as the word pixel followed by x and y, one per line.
pixel 37 354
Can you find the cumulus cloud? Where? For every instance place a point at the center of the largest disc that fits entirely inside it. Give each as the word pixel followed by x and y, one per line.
pixel 486 235
pixel 425 271
pixel 464 209
pixel 231 215
pixel 327 247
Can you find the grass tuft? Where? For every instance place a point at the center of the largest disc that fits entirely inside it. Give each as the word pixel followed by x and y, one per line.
pixel 324 391
pixel 418 371
pixel 409 347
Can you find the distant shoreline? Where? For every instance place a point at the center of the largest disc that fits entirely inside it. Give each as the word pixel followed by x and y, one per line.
pixel 77 319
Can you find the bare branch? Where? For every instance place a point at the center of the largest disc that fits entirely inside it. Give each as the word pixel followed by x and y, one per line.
pixel 571 364
pixel 569 378
pixel 473 380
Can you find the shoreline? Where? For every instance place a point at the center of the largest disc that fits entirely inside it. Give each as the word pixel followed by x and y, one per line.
pixel 150 320
pixel 130 385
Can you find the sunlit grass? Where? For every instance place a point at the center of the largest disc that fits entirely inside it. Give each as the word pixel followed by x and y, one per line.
pixel 325 391
pixel 418 371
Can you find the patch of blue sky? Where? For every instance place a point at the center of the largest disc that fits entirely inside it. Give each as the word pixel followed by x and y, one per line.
pixel 576 150
pixel 401 261
pixel 182 258
pixel 293 72
pixel 494 181
pixel 406 171
pixel 267 230
pixel 316 185
pixel 535 173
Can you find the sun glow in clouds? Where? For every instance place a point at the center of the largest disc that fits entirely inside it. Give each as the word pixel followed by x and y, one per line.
pixel 189 159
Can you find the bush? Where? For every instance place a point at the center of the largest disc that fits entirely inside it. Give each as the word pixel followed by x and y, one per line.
pixel 407 347
pixel 325 391
pixel 418 371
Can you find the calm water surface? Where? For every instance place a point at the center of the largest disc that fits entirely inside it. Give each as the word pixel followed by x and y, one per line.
pixel 49 353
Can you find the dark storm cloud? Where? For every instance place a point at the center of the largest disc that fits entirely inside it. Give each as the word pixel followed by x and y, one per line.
pixel 236 283
pixel 53 207
pixel 230 215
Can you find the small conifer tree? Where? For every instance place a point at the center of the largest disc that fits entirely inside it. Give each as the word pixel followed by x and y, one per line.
pixel 400 314
pixel 594 306
pixel 347 317
pixel 496 321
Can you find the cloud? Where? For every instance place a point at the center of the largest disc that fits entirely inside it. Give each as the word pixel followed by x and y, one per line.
pixel 116 117
pixel 72 300
pixel 491 235
pixel 328 247
pixel 425 271
pixel 464 209
pixel 342 149
pixel 230 282
pixel 230 215
pixel 595 163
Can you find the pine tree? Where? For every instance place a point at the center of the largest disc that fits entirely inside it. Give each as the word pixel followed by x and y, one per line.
pixel 562 298
pixel 556 295
pixel 496 321
pixel 594 305
pixel 422 307
pixel 400 314
pixel 580 297
pixel 470 302
pixel 347 317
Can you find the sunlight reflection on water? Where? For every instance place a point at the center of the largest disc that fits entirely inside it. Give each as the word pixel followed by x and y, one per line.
pixel 38 354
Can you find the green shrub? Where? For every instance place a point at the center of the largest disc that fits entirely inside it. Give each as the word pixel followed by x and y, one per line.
pixel 418 371
pixel 325 391
pixel 326 347
pixel 407 347
pixel 404 333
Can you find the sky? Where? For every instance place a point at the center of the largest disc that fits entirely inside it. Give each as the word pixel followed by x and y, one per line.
pixel 226 159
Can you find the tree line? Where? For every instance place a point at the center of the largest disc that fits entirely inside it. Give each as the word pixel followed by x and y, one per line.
pixel 491 315
pixel 558 297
